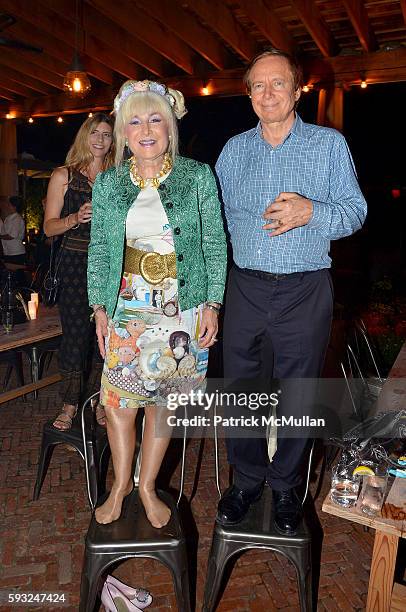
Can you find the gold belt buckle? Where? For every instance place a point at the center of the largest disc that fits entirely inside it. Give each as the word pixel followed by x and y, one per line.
pixel 153 267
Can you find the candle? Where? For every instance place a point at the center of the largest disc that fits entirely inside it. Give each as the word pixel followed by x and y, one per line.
pixel 35 298
pixel 32 309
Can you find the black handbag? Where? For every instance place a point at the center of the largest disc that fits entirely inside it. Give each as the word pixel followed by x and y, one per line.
pixel 51 284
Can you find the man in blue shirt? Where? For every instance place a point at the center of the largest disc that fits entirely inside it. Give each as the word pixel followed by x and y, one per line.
pixel 288 188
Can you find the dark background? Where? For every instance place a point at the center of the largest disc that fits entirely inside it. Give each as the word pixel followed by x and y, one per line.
pixel 374 128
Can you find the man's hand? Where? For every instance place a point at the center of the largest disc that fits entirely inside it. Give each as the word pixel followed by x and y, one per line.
pixel 287 211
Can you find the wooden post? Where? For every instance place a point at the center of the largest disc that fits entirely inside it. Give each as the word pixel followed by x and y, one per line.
pixel 330 107
pixel 321 107
pixel 382 572
pixel 8 159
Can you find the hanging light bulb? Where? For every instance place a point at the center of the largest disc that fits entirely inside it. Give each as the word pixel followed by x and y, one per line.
pixel 305 88
pixel 60 119
pixel 30 120
pixel 364 84
pixel 90 115
pixel 76 82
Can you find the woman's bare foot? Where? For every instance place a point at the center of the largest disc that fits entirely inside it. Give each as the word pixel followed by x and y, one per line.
pixel 157 512
pixel 111 509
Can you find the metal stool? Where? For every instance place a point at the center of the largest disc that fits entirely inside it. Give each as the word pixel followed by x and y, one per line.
pixel 94 452
pixel 256 531
pixel 132 535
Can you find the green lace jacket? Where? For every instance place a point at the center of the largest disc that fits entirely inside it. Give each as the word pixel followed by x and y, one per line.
pixel 190 198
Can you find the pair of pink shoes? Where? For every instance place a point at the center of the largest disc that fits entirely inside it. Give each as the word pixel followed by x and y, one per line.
pixel 119 597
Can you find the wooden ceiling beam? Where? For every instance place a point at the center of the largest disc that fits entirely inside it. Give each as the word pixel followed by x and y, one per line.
pixel 101 42
pixel 97 48
pixel 403 7
pixel 359 18
pixel 220 19
pixel 322 73
pixel 37 15
pixel 6 95
pixel 311 17
pixel 188 29
pixel 23 79
pixel 55 57
pixel 262 15
pixel 20 63
pixel 60 104
pixel 102 28
pixel 153 33
pixel 7 83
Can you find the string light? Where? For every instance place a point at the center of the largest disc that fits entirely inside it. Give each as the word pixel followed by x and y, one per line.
pixel 10 116
pixel 30 120
pixel 60 119
pixel 90 115
pixel 305 88
pixel 364 85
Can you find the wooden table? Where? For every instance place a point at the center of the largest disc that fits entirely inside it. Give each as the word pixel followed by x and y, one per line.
pixel 383 594
pixel 31 336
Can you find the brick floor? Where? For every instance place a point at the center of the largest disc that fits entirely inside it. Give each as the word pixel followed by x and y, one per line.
pixel 42 542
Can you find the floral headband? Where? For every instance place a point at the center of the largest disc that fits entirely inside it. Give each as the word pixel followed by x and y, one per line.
pixel 173 96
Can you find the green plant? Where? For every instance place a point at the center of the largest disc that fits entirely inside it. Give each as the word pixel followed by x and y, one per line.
pixel 33 212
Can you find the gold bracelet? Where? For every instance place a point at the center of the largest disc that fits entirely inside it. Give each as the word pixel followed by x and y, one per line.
pixel 66 222
pixel 96 309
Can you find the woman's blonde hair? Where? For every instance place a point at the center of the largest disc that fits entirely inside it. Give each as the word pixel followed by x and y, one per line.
pixel 79 156
pixel 138 103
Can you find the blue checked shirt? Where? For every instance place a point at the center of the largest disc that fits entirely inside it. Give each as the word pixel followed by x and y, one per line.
pixel 314 162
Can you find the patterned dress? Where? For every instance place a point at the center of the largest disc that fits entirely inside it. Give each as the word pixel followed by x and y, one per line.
pixel 152 347
pixel 78 333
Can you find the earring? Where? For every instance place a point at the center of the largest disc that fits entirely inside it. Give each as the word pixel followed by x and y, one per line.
pixel 126 142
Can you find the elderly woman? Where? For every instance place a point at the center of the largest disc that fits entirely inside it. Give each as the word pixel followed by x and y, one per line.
pixel 156 274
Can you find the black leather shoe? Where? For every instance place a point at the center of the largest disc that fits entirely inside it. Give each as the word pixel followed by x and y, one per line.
pixel 235 503
pixel 288 511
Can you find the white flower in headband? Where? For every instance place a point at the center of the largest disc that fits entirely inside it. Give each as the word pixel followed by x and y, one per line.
pixel 175 98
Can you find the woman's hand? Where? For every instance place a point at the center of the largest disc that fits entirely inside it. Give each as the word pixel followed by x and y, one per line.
pixel 85 213
pixel 209 328
pixel 100 318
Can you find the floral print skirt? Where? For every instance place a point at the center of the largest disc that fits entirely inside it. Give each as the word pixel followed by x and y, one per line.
pixel 151 347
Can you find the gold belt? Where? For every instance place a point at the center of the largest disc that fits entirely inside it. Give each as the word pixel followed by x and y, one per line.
pixel 152 266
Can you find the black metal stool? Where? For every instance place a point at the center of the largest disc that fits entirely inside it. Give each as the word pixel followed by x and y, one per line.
pixel 132 535
pixel 93 452
pixel 256 531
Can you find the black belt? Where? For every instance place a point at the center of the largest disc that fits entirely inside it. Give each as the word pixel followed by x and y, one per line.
pixel 270 276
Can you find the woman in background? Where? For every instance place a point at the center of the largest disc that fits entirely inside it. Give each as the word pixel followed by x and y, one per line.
pixel 68 212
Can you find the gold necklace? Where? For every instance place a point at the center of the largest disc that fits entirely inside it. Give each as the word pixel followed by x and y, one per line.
pixel 154 181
